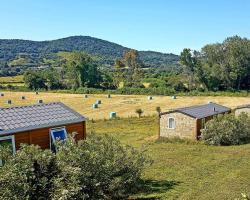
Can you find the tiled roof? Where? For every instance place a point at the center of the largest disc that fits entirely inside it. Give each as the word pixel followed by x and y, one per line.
pixel 24 118
pixel 202 111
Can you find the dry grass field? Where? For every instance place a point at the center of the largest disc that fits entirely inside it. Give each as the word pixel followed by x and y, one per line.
pixel 11 79
pixel 124 105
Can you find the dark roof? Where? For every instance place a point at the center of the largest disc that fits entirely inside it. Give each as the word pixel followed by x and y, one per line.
pixel 24 118
pixel 243 106
pixel 202 111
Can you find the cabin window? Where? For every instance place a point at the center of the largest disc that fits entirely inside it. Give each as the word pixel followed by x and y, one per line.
pixel 9 143
pixel 57 134
pixel 171 123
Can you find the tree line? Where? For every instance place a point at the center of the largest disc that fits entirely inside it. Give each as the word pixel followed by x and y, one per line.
pixel 220 66
pixel 216 67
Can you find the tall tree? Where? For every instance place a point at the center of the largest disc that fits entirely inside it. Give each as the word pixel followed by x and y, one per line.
pixel 81 71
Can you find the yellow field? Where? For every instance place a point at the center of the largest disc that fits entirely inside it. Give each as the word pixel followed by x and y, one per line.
pixel 124 105
pixel 11 79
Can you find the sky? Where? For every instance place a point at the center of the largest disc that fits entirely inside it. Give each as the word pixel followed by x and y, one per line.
pixel 159 25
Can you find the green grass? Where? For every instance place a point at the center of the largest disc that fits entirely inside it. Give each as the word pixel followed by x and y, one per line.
pixel 182 169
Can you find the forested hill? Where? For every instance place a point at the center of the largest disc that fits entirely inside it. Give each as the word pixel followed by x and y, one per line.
pixel 35 51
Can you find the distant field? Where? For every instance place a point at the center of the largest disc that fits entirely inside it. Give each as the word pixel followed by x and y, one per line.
pixel 12 79
pixel 190 171
pixel 124 105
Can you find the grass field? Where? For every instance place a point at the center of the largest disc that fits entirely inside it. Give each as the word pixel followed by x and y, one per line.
pixel 124 105
pixel 180 170
pixel 12 79
pixel 183 170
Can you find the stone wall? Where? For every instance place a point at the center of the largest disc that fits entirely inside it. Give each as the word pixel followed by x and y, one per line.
pixel 240 110
pixel 185 126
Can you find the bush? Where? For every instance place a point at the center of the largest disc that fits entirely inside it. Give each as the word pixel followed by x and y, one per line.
pixel 227 130
pixel 97 168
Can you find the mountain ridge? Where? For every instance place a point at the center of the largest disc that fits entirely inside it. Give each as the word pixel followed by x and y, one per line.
pixel 10 49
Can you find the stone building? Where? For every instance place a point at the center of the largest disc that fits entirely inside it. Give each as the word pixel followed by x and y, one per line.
pixel 189 121
pixel 242 109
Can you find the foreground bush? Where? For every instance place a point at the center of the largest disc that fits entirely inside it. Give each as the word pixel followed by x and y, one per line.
pixel 227 130
pixel 97 168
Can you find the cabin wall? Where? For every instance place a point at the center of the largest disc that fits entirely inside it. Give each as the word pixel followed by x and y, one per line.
pixel 41 136
pixel 185 126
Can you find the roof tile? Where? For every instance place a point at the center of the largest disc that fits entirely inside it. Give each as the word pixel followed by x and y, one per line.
pixel 24 118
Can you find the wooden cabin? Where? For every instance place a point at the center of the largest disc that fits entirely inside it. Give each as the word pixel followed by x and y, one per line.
pixel 187 123
pixel 39 124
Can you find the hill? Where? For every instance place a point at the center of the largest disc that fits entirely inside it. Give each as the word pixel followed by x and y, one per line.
pixel 36 51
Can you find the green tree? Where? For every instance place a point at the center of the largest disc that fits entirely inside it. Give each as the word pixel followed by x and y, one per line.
pixel 158 109
pixel 52 78
pixel 34 80
pixel 81 71
pixel 139 111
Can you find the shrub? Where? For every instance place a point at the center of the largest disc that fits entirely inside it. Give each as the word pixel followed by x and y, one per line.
pixel 158 109
pixel 139 111
pixel 28 175
pixel 227 130
pixel 99 167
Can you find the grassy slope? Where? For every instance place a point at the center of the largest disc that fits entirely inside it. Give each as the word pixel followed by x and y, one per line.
pixel 182 170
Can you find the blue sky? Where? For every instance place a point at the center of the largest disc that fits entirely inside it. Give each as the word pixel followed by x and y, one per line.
pixel 159 25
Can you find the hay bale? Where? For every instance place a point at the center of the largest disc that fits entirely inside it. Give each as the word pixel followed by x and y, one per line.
pixel 112 115
pixel 173 97
pixel 23 97
pixel 95 106
pixel 98 102
pixel 85 96
pixel 37 93
pixel 40 101
pixel 9 102
pixel 109 96
pixel 2 94
pixel 150 98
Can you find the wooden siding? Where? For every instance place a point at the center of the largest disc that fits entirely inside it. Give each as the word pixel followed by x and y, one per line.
pixel 41 136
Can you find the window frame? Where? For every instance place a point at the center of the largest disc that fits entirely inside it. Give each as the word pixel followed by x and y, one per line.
pixel 174 123
pixel 12 138
pixel 51 136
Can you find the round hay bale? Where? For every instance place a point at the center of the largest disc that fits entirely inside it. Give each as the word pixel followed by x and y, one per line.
pixel 109 96
pixel 23 97
pixel 150 98
pixel 95 106
pixel 37 93
pixel 174 97
pixel 2 94
pixel 40 101
pixel 98 102
pixel 85 96
pixel 9 102
pixel 112 115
